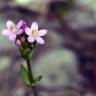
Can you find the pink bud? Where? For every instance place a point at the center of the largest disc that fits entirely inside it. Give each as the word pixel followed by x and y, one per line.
pixel 24 25
pixel 18 42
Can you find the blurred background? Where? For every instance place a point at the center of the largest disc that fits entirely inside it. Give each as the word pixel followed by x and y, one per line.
pixel 67 61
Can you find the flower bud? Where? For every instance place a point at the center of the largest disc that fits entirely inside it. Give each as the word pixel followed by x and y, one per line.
pixel 18 42
pixel 24 26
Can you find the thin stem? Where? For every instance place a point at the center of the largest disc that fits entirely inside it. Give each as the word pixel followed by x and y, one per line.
pixel 31 77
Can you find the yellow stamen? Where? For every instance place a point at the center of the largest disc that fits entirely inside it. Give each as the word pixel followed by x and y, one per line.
pixel 13 28
pixel 35 33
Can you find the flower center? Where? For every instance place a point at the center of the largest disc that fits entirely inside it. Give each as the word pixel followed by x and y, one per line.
pixel 13 28
pixel 35 33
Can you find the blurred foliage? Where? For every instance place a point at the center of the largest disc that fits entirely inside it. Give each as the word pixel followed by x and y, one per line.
pixel 54 38
pixel 5 63
pixel 62 7
pixel 19 92
pixel 91 4
pixel 23 1
pixel 64 63
pixel 35 5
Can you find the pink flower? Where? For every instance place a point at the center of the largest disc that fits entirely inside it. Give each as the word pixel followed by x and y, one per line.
pixel 12 29
pixel 34 34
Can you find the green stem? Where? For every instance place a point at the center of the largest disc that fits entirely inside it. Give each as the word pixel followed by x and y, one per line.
pixel 31 77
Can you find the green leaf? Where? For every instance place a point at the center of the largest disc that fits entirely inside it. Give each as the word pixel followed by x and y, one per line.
pixel 38 78
pixel 25 74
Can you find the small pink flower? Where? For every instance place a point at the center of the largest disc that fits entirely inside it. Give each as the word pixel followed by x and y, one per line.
pixel 18 42
pixel 34 34
pixel 12 29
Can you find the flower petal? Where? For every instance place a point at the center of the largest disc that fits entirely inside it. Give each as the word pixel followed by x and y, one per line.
pixel 6 32
pixel 19 24
pixel 9 24
pixel 34 26
pixel 31 39
pixel 28 31
pixel 40 40
pixel 19 31
pixel 42 32
pixel 12 37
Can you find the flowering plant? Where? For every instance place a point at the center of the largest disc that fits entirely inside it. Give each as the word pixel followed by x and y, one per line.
pixel 26 39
